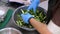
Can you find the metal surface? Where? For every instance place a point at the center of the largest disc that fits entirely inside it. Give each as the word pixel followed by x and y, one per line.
pixel 21 1
pixel 3 12
pixel 5 1
pixel 10 31
pixel 10 24
pixel 18 11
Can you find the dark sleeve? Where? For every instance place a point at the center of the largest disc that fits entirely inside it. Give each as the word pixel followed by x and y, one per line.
pixel 54 11
pixel 51 4
pixel 56 16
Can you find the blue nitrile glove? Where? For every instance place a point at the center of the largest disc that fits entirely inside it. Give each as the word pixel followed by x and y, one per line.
pixel 26 17
pixel 34 5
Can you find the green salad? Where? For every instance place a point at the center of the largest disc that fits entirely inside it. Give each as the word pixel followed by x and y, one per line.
pixel 39 16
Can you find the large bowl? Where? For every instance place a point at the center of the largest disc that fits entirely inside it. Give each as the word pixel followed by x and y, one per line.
pixel 10 31
pixel 18 11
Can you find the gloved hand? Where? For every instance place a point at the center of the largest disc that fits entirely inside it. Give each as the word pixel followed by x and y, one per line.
pixel 34 5
pixel 26 17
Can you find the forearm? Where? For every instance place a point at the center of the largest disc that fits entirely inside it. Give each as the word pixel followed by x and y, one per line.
pixel 40 27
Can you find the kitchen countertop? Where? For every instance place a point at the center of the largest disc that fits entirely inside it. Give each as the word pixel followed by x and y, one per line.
pixel 43 5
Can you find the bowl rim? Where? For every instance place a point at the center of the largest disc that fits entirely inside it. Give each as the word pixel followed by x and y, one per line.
pixel 20 26
pixel 10 28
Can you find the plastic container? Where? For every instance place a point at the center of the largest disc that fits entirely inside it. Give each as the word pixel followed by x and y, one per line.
pixel 10 31
pixel 18 11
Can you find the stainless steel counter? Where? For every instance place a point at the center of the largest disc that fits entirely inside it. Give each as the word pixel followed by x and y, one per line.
pixel 10 24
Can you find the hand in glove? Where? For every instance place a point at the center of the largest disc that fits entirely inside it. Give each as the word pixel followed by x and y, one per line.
pixel 34 5
pixel 26 17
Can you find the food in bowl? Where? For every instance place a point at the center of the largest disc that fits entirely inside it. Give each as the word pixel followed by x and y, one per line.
pixel 39 16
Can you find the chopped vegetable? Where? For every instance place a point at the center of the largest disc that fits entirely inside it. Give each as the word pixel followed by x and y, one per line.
pixel 39 16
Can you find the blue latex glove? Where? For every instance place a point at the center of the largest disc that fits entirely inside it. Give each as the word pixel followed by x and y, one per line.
pixel 26 17
pixel 34 5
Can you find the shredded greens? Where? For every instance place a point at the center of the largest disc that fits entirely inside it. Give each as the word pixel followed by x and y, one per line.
pixel 39 16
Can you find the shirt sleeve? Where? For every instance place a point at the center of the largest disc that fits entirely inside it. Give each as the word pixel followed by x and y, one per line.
pixel 53 28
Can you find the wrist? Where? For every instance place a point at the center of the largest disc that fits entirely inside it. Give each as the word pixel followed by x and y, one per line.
pixel 30 19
